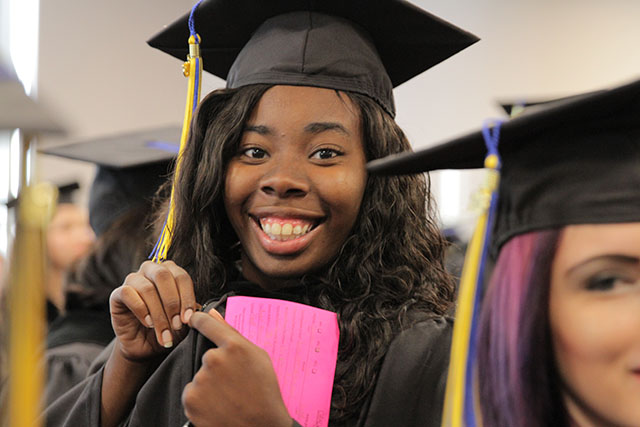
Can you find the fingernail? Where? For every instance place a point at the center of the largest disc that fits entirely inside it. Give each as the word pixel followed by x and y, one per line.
pixel 148 321
pixel 187 315
pixel 213 312
pixel 167 339
pixel 176 322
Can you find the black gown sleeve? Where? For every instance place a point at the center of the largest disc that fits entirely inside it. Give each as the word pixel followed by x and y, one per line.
pixel 80 406
pixel 410 388
pixel 158 402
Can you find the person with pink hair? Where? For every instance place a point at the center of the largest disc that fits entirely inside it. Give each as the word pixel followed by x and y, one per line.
pixel 556 341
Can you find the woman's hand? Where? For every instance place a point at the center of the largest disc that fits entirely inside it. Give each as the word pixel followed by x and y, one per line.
pixel 150 309
pixel 236 385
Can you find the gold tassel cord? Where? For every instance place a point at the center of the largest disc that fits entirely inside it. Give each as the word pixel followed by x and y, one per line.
pixel 27 305
pixel 192 69
pixel 453 411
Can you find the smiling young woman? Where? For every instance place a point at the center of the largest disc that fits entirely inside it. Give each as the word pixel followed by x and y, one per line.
pixel 300 166
pixel 371 250
pixel 272 199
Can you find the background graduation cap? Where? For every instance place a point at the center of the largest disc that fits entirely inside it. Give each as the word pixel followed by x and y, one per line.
pixel 553 162
pixel 131 168
pixel 577 161
pixel 358 45
pixel 66 192
pixel 17 110
pixel 514 108
pixel 125 149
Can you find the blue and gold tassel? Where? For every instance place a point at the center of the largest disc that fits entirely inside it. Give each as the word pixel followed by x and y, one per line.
pixel 460 397
pixel 192 69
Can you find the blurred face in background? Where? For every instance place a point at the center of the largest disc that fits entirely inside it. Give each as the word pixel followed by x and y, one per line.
pixel 69 236
pixel 594 309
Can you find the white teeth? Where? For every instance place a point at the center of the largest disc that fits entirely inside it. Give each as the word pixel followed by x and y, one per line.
pixel 276 229
pixel 283 231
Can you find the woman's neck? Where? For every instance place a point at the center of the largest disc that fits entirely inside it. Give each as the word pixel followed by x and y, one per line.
pixel 54 290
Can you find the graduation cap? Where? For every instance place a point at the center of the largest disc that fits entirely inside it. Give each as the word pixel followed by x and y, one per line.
pixel 117 190
pixel 17 110
pixel 362 46
pixel 577 161
pixel 66 192
pixel 514 108
pixel 125 149
pixel 131 168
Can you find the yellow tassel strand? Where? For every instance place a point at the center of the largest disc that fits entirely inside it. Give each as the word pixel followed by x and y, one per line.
pixel 27 305
pixel 192 69
pixel 455 390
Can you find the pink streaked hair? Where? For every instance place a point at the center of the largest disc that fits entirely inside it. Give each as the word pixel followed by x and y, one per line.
pixel 517 380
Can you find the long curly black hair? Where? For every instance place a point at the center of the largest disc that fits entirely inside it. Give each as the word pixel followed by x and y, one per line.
pixel 389 268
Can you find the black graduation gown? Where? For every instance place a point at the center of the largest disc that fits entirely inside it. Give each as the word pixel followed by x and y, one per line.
pixel 74 340
pixel 409 391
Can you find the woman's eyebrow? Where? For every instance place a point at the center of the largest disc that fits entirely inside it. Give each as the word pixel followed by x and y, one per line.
pixel 619 258
pixel 259 129
pixel 319 127
pixel 313 128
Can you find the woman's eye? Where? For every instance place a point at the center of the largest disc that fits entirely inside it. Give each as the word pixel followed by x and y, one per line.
pixel 255 153
pixel 325 153
pixel 606 283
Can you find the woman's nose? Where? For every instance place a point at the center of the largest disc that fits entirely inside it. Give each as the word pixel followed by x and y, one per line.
pixel 286 179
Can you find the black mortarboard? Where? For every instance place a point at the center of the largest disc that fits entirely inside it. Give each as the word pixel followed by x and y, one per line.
pixel 575 162
pixel 131 168
pixel 514 108
pixel 66 192
pixel 124 150
pixel 362 46
pixel 117 190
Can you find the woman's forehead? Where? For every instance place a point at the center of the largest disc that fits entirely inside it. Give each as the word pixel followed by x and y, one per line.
pixel 584 241
pixel 290 105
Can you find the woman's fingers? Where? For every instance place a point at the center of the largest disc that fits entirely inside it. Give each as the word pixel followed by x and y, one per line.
pixel 155 315
pixel 161 297
pixel 162 278
pixel 213 326
pixel 229 373
pixel 185 289
pixel 129 297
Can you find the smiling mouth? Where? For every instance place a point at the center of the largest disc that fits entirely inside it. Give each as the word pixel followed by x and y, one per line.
pixel 283 229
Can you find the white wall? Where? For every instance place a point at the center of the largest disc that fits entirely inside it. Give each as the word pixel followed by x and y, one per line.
pixel 529 48
pixel 97 71
pixel 101 78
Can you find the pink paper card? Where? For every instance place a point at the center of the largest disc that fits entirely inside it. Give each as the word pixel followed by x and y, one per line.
pixel 302 342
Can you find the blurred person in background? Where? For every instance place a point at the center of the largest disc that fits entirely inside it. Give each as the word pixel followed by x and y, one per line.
pixel 120 206
pixel 69 238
